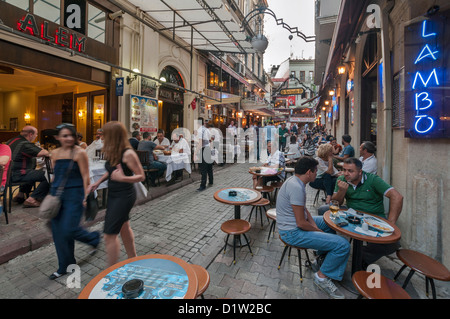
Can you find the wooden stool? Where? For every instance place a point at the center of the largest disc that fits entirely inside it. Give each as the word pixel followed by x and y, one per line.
pixel 308 262
pixel 265 191
pixel 271 214
pixel 202 278
pixel 236 227
pixel 289 170
pixel 386 290
pixel 259 205
pixel 425 265
pixel 277 186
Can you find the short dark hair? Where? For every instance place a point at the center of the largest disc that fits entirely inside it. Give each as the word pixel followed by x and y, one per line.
pixel 135 133
pixel 369 147
pixel 353 160
pixel 347 138
pixel 304 164
pixel 145 135
pixel 202 121
pixel 160 131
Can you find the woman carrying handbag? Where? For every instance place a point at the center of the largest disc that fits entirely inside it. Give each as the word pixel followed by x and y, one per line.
pixel 70 165
pixel 123 170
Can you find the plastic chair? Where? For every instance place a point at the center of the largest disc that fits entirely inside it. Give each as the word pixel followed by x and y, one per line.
pixel 203 279
pixel 387 289
pixel 236 227
pixel 423 264
pixel 289 246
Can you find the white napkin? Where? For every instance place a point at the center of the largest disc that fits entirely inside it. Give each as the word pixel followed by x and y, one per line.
pixel 366 232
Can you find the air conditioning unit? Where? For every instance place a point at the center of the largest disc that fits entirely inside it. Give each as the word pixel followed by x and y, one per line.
pixel 240 68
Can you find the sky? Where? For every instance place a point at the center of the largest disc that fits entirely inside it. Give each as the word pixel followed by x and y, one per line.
pixel 295 13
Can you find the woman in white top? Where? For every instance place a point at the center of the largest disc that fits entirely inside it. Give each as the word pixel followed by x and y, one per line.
pixel 293 148
pixel 327 174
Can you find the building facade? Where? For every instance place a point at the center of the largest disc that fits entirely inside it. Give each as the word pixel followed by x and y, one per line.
pixel 388 72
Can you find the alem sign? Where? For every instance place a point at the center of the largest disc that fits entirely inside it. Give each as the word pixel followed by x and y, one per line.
pixel 293 91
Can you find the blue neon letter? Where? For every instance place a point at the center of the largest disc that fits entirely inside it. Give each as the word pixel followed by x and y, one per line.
pixel 421 78
pixel 424 24
pixel 420 57
pixel 430 102
pixel 420 117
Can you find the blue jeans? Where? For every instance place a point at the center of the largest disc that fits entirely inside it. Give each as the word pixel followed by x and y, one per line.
pixel 337 248
pixel 160 166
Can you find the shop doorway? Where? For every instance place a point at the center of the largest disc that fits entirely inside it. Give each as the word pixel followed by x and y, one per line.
pixel 90 113
pixel 369 101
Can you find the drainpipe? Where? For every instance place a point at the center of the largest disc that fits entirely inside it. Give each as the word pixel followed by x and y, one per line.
pixel 387 92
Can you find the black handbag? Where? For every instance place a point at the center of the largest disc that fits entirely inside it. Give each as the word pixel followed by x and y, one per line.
pixel 91 207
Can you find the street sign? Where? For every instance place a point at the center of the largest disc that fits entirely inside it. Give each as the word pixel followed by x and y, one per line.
pixel 293 91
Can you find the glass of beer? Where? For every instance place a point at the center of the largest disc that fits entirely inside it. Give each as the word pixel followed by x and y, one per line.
pixel 334 208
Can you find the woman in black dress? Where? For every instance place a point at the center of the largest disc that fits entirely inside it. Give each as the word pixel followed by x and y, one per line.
pixel 123 170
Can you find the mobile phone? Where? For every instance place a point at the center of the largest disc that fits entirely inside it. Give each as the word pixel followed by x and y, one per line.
pixel 342 223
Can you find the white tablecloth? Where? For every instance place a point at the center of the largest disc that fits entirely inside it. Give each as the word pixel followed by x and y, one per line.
pixel 175 162
pixel 96 171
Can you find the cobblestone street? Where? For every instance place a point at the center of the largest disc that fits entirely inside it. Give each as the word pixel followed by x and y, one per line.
pixel 186 223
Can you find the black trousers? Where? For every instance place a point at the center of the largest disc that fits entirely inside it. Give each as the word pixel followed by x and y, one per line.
pixel 206 166
pixel 30 178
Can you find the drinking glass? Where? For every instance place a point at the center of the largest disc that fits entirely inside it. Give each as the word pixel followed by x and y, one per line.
pixel 334 208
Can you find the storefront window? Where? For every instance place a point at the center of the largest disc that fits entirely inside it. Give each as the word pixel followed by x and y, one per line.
pixel 48 9
pixel 22 4
pixel 96 28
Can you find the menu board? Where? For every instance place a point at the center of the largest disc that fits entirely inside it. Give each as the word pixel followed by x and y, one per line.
pixel 143 114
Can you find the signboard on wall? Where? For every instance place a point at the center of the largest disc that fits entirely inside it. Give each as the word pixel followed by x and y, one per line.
pixel 143 114
pixel 427 80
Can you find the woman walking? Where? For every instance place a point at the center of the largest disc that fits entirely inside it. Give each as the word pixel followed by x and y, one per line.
pixel 123 170
pixel 70 160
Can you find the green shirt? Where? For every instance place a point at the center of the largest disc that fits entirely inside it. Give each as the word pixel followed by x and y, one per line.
pixel 367 196
pixel 281 133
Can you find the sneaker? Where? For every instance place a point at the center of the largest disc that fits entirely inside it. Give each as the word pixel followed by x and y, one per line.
pixel 316 264
pixel 328 287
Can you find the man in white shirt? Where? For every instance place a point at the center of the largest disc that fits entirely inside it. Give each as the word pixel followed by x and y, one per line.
pixel 161 140
pixel 275 160
pixel 367 151
pixel 180 145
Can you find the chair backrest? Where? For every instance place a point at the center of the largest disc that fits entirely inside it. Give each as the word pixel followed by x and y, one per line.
pixel 48 166
pixel 144 157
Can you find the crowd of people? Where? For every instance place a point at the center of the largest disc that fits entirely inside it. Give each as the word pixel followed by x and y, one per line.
pixel 320 161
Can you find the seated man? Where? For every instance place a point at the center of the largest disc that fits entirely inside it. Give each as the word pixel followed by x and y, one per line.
pixel 367 151
pixel 297 227
pixel 274 160
pixel 5 159
pixel 365 191
pixel 147 145
pixel 23 154
pixel 134 139
pixel 179 145
pixel 161 140
pixel 348 150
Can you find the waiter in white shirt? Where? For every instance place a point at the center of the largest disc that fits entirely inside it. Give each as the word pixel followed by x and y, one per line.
pixel 367 151
pixel 180 145
pixel 203 136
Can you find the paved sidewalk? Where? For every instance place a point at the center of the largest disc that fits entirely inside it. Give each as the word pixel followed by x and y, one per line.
pixel 186 223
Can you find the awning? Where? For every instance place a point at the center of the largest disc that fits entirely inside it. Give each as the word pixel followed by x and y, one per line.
pixel 224 98
pixel 207 24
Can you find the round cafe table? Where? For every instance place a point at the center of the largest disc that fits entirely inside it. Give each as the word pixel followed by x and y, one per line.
pixel 244 196
pixel 266 171
pixel 359 238
pixel 164 277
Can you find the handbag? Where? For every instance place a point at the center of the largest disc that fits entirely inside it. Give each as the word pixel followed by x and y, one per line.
pixel 51 204
pixel 141 192
pixel 91 207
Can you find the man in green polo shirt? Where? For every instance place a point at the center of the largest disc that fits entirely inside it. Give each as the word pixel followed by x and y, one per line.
pixel 365 191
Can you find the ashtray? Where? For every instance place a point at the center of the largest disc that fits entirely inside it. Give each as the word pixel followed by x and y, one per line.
pixel 354 220
pixel 232 193
pixel 132 288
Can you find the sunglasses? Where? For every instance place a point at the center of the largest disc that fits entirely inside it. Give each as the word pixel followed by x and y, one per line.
pixel 64 125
